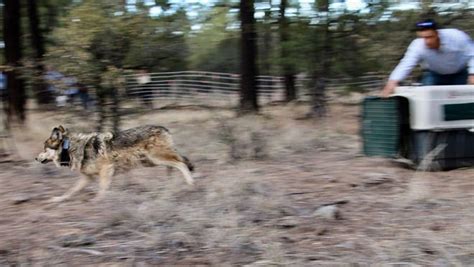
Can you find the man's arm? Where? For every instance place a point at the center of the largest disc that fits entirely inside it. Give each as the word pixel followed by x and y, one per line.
pixel 469 50
pixel 389 88
pixel 406 65
pixel 471 64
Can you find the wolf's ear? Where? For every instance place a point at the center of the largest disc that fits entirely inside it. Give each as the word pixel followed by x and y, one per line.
pixel 56 133
pixel 61 129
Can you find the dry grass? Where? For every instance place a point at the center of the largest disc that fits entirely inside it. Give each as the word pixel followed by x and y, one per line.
pixel 259 180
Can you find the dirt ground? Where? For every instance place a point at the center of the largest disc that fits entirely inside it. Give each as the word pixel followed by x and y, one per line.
pixel 270 190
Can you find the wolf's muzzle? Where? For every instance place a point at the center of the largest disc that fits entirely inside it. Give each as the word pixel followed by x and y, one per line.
pixel 44 161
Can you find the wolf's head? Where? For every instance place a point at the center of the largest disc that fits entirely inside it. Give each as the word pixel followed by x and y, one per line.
pixel 53 146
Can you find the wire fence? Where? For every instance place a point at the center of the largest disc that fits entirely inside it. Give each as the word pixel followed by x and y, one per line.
pixel 222 89
pixel 211 89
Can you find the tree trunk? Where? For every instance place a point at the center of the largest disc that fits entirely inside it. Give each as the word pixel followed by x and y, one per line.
pixel 248 83
pixel 318 107
pixel 115 110
pixel 108 110
pixel 101 111
pixel 15 99
pixel 318 100
pixel 267 42
pixel 37 43
pixel 36 35
pixel 288 70
pixel 290 88
pixel 51 15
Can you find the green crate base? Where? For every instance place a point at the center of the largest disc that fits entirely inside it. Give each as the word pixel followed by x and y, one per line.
pixel 385 133
pixel 380 127
pixel 458 152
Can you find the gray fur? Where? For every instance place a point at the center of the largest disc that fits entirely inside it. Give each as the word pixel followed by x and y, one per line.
pixel 130 137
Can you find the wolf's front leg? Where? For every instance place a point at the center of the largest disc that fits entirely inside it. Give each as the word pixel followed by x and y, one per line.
pixel 76 188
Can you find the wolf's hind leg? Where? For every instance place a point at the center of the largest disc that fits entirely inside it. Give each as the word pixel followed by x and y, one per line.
pixel 76 188
pixel 183 168
pixel 105 178
pixel 174 162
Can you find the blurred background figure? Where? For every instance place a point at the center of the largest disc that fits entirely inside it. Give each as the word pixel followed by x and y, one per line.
pixel 71 90
pixel 83 92
pixel 54 80
pixel 144 90
pixel 6 144
pixel 3 85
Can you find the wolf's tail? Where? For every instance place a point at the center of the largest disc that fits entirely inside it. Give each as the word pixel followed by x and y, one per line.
pixel 188 163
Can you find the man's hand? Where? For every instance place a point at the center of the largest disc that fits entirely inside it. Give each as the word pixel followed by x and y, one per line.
pixel 470 80
pixel 389 88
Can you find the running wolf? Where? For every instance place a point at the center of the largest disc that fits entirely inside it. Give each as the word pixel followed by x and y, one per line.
pixel 107 154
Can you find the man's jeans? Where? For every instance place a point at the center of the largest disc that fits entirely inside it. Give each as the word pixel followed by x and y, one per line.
pixel 433 78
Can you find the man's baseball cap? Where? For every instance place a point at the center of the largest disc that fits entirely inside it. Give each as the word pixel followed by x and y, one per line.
pixel 427 24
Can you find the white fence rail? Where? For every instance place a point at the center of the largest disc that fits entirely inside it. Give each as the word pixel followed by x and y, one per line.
pixel 213 88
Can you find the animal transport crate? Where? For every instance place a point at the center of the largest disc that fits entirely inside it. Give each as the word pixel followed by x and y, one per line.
pixel 416 120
